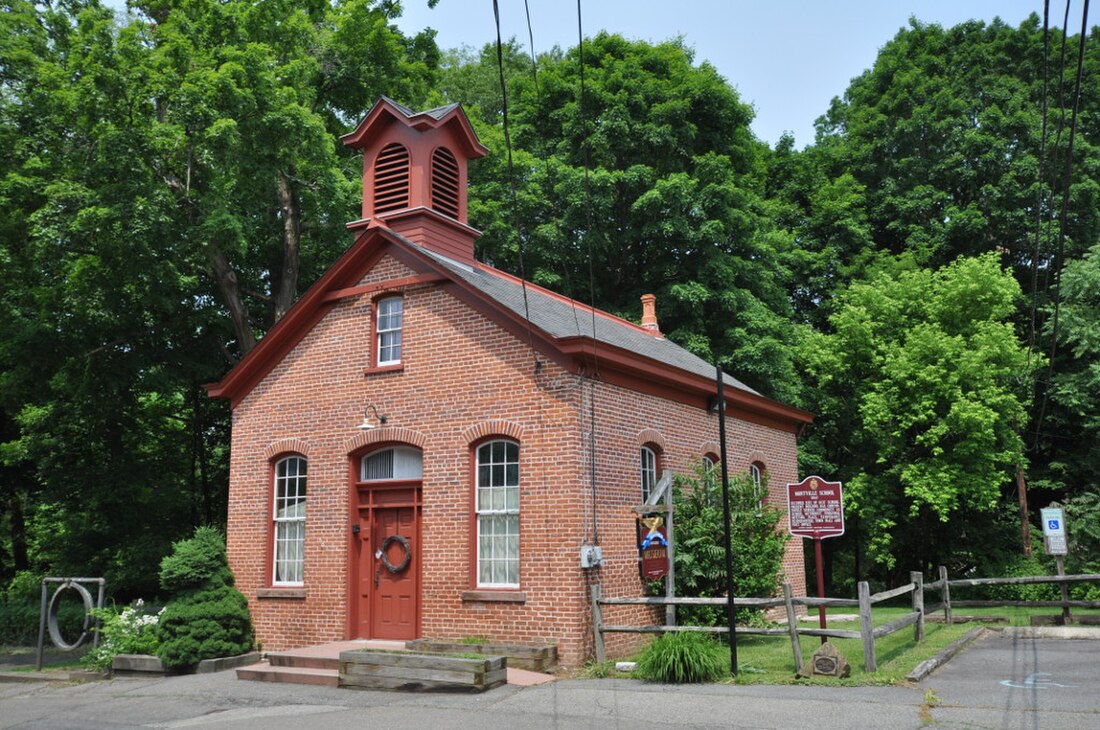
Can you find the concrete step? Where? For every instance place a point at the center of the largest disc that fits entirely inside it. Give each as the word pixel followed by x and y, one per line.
pixel 265 672
pixel 303 661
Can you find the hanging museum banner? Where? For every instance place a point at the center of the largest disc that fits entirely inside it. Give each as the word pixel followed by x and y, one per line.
pixel 653 547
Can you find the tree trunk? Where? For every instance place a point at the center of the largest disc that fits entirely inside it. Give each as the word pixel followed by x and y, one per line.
pixel 231 293
pixel 18 532
pixel 291 209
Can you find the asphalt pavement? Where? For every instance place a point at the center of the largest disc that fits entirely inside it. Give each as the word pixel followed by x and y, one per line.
pixel 1002 681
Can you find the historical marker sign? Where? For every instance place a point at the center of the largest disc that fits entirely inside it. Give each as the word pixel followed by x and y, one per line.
pixel 815 508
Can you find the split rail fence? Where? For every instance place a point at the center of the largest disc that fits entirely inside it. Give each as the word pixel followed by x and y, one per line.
pixel 867 632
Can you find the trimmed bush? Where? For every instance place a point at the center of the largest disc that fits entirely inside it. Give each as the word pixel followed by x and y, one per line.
pixel 684 657
pixel 208 618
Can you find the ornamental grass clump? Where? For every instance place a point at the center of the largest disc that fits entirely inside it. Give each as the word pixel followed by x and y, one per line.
pixel 684 657
pixel 208 618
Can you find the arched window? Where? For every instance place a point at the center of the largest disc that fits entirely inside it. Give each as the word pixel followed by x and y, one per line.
pixel 758 473
pixel 648 471
pixel 496 497
pixel 445 182
pixel 395 463
pixel 391 178
pixel 710 461
pixel 389 319
pixel 290 520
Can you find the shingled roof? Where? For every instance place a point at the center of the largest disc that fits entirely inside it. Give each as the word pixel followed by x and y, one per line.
pixel 561 317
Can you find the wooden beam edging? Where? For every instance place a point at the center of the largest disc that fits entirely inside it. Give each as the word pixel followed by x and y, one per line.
pixel 866 627
pixel 896 625
pixel 833 633
pixel 892 593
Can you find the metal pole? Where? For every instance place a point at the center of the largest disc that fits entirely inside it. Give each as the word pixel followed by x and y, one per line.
pixel 820 585
pixel 730 609
pixel 670 579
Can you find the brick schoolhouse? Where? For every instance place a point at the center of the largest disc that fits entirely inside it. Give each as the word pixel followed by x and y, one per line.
pixel 410 449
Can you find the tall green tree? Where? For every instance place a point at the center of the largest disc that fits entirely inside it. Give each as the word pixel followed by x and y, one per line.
pixel 650 182
pixel 925 381
pixel 169 182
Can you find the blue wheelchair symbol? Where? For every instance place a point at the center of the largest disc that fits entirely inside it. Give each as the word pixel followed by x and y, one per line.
pixel 1052 525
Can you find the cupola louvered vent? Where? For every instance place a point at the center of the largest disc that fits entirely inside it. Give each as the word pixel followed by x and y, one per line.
pixel 445 182
pixel 391 179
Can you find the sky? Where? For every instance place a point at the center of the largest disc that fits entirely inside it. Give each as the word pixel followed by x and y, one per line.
pixel 787 58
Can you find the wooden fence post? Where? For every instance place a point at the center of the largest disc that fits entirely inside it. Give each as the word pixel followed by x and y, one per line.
pixel 866 628
pixel 597 623
pixel 917 579
pixel 792 625
pixel 946 593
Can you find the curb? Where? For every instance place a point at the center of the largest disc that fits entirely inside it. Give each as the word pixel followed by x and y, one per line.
pixel 74 676
pixel 1050 632
pixel 926 667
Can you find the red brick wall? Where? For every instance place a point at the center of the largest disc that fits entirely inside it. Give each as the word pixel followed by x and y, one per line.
pixel 462 377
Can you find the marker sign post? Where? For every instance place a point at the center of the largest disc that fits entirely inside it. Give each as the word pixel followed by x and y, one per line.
pixel 815 509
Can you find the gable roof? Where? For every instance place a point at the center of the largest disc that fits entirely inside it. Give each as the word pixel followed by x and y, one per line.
pixel 617 351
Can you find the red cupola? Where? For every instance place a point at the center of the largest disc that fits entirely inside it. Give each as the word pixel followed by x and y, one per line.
pixel 414 174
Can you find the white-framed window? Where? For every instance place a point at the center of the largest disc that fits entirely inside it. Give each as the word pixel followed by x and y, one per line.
pixel 649 471
pixel 398 462
pixel 756 473
pixel 388 320
pixel 290 520
pixel 496 494
pixel 710 461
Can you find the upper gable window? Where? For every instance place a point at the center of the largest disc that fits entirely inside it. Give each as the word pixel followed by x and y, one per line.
pixel 388 322
pixel 445 182
pixel 391 178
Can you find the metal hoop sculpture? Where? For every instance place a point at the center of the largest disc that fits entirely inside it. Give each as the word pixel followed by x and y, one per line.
pixel 404 561
pixel 51 615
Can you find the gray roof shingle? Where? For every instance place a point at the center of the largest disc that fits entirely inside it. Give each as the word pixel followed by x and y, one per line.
pixel 560 319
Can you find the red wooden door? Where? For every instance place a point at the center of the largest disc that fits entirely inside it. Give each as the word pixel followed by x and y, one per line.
pixel 394 605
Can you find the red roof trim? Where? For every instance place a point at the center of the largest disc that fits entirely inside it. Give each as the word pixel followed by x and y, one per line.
pixel 421 121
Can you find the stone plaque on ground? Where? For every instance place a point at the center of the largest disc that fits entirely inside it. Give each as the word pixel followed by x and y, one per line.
pixel 826 662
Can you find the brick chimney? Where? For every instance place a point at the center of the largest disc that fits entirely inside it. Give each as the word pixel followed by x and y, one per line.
pixel 649 313
pixel 415 174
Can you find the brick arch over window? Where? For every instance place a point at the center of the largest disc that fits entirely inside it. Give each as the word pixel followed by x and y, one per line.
pixel 757 457
pixel 710 447
pixel 285 446
pixel 494 427
pixel 652 437
pixel 364 439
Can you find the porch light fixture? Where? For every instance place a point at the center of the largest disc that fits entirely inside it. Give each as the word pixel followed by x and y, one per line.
pixel 366 425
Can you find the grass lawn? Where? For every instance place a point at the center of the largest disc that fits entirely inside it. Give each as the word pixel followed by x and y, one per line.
pixel 769 660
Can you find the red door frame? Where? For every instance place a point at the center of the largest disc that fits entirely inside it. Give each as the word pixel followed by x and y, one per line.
pixel 363 499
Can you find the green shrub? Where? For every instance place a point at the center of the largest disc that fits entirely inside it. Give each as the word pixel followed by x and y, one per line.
pixel 208 617
pixel 1013 566
pixel 206 624
pixel 757 545
pixel 20 608
pixel 130 631
pixel 682 657
pixel 196 562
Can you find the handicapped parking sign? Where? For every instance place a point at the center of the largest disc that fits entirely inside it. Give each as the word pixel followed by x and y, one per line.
pixel 1054 522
